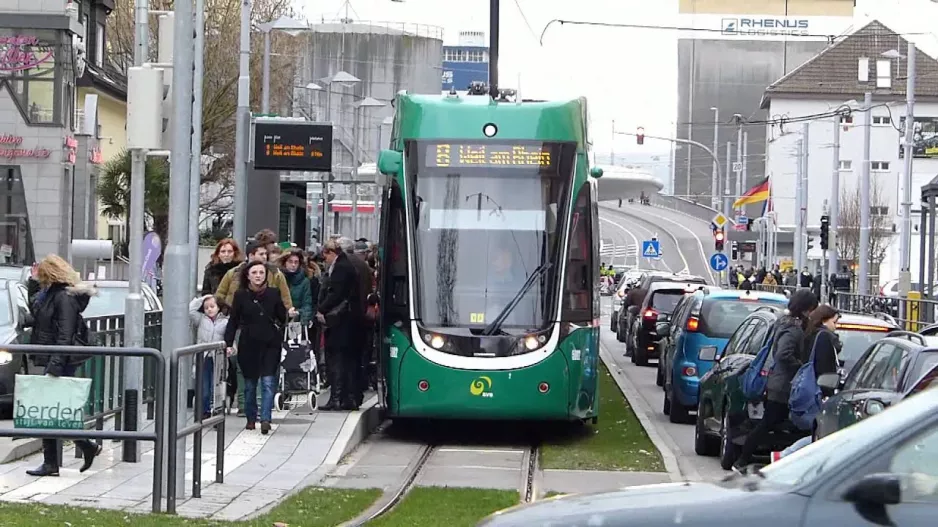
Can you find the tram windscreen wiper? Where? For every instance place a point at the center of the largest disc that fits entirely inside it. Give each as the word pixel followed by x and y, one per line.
pixel 496 324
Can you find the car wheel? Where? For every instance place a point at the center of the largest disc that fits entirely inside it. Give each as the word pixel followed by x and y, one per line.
pixel 666 409
pixel 729 452
pixel 612 322
pixel 704 444
pixel 640 356
pixel 679 412
pixel 659 378
pixel 620 337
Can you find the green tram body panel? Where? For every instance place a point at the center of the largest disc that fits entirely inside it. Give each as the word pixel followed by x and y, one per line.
pixel 571 367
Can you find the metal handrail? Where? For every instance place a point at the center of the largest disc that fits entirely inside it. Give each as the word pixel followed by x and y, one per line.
pixel 217 421
pixel 156 436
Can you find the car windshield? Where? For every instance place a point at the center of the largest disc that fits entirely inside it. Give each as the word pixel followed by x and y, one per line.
pixel 108 301
pixel 850 444
pixel 855 342
pixel 720 318
pixel 666 300
pixel 487 215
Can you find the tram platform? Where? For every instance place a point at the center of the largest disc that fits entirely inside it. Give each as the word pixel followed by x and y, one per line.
pixel 260 470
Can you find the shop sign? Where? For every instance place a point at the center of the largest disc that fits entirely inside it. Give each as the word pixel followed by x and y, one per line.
pixel 22 53
pixel 95 156
pixel 71 149
pixel 11 148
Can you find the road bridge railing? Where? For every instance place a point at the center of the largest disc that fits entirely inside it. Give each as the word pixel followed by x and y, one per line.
pixel 912 313
pixel 689 208
pixel 217 351
pixel 98 434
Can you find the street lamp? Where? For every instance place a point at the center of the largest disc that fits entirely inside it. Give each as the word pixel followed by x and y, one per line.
pixel 360 106
pixel 288 25
pixel 310 87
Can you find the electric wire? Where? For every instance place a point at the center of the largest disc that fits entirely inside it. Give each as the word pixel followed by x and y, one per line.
pixel 526 23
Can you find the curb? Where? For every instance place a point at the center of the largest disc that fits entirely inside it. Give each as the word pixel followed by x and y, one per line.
pixel 14 450
pixel 642 411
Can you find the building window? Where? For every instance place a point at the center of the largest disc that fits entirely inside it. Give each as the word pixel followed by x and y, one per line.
pixel 846 164
pixel 32 69
pixel 879 210
pixel 879 166
pixel 883 74
pixel 16 242
pixel 881 119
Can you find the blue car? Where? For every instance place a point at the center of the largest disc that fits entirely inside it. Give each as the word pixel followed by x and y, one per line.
pixel 698 331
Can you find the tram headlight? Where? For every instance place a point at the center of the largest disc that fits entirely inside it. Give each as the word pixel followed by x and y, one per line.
pixel 531 343
pixel 437 341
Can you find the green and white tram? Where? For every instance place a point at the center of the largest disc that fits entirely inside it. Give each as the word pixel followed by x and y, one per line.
pixel 489 269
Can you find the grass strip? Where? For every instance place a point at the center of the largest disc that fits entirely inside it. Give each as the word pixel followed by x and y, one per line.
pixel 311 507
pixel 617 442
pixel 449 506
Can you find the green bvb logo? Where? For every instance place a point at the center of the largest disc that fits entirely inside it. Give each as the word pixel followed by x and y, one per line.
pixel 481 387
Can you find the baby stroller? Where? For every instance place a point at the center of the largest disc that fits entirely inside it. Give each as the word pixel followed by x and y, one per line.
pixel 299 372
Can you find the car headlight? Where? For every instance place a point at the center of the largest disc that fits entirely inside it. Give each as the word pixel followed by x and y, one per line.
pixel 5 357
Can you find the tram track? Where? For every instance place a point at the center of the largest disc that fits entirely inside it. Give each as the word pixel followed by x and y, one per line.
pixel 439 456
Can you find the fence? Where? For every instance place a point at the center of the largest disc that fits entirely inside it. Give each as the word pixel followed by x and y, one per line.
pixel 687 207
pixel 98 434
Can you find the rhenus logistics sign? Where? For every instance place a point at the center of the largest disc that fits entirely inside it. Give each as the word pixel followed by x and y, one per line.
pixel 765 26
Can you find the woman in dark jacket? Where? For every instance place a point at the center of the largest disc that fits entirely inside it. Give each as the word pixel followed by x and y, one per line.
pixel 259 313
pixel 227 256
pixel 55 309
pixel 822 338
pixel 788 355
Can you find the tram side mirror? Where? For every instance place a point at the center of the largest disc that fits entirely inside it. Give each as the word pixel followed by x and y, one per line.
pixel 390 162
pixel 372 299
pixel 596 172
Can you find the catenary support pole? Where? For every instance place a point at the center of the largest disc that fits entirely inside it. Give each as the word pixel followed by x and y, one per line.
pixel 265 86
pixel 134 311
pixel 803 211
pixel 494 24
pixel 727 189
pixel 863 287
pixel 242 126
pixel 798 243
pixel 356 139
pixel 739 158
pixel 905 235
pixel 714 175
pixel 744 175
pixel 195 168
pixel 834 201
pixel 176 332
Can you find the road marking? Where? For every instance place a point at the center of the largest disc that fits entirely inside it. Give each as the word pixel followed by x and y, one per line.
pixel 677 244
pixel 634 239
pixel 699 244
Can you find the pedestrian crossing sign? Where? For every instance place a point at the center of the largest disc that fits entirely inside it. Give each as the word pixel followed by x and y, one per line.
pixel 651 249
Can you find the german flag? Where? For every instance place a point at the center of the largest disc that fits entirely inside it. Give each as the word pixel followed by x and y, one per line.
pixel 756 194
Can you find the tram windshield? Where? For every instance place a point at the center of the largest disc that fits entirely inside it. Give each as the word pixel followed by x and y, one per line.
pixel 488 215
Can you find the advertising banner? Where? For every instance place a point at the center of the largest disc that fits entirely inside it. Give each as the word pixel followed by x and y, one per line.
pixel 924 137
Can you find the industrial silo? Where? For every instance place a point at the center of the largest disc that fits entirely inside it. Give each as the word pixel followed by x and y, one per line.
pixel 350 72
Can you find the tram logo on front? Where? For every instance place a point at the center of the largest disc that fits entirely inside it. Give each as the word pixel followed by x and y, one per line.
pixel 481 386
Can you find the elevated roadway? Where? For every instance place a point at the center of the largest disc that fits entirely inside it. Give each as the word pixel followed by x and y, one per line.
pixel 620 182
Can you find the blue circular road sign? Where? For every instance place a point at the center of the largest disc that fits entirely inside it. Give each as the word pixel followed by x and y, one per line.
pixel 719 262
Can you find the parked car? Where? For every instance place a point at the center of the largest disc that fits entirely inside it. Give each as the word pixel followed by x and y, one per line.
pixel 17 273
pixel 699 330
pixel 627 321
pixel 724 415
pixel 112 295
pixel 13 313
pixel 881 377
pixel 882 471
pixel 659 304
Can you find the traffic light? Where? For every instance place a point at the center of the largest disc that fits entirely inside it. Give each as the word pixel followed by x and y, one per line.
pixel 749 224
pixel 640 135
pixel 718 238
pixel 734 252
pixel 810 242
pixel 825 231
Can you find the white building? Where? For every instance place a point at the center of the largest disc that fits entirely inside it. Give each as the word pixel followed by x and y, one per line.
pixel 840 74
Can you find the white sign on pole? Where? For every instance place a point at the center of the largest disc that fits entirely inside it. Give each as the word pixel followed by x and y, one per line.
pixel 737 166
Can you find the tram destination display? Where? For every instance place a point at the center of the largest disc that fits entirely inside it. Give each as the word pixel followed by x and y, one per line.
pixel 491 155
pixel 297 146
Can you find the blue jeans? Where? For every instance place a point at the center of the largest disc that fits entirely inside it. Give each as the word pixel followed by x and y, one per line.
pixel 208 389
pixel 268 385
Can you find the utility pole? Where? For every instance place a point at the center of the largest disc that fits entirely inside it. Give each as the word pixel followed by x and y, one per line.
pixel 739 155
pixel 133 310
pixel 714 175
pixel 494 9
pixel 727 197
pixel 195 168
pixel 744 175
pixel 803 185
pixel 242 127
pixel 834 201
pixel 864 285
pixel 265 80
pixel 905 236
pixel 176 333
pixel 798 245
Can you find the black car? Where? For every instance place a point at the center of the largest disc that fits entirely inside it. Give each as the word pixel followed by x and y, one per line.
pixel 886 371
pixel 660 301
pixel 13 313
pixel 882 471
pixel 626 320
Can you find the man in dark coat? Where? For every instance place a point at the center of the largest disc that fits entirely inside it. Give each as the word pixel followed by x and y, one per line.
pixel 340 311
pixel 356 253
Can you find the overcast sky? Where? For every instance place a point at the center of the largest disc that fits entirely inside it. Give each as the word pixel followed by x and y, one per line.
pixel 628 75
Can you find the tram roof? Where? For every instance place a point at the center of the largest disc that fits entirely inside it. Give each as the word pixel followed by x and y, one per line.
pixel 463 117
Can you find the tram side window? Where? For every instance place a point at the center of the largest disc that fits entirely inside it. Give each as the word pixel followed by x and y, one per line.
pixel 577 293
pixel 396 247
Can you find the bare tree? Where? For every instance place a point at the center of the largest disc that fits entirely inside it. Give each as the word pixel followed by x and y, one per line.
pixel 220 79
pixel 848 232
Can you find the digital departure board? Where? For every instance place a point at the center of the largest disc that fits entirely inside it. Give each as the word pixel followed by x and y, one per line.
pixel 289 145
pixel 488 155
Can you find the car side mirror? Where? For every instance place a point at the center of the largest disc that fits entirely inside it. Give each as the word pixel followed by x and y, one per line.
pixel 873 406
pixel 633 310
pixel 662 317
pixel 373 299
pixel 662 328
pixel 876 489
pixel 829 383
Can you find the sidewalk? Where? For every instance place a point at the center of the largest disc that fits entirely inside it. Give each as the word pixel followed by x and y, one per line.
pixel 260 470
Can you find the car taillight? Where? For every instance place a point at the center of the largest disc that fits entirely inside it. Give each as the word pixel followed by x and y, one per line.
pixel 693 323
pixel 650 314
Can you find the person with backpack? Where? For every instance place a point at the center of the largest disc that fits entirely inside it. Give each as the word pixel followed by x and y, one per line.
pixel 805 399
pixel 786 358
pixel 56 300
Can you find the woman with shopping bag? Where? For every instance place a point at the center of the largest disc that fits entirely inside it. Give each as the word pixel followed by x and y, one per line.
pixel 57 298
